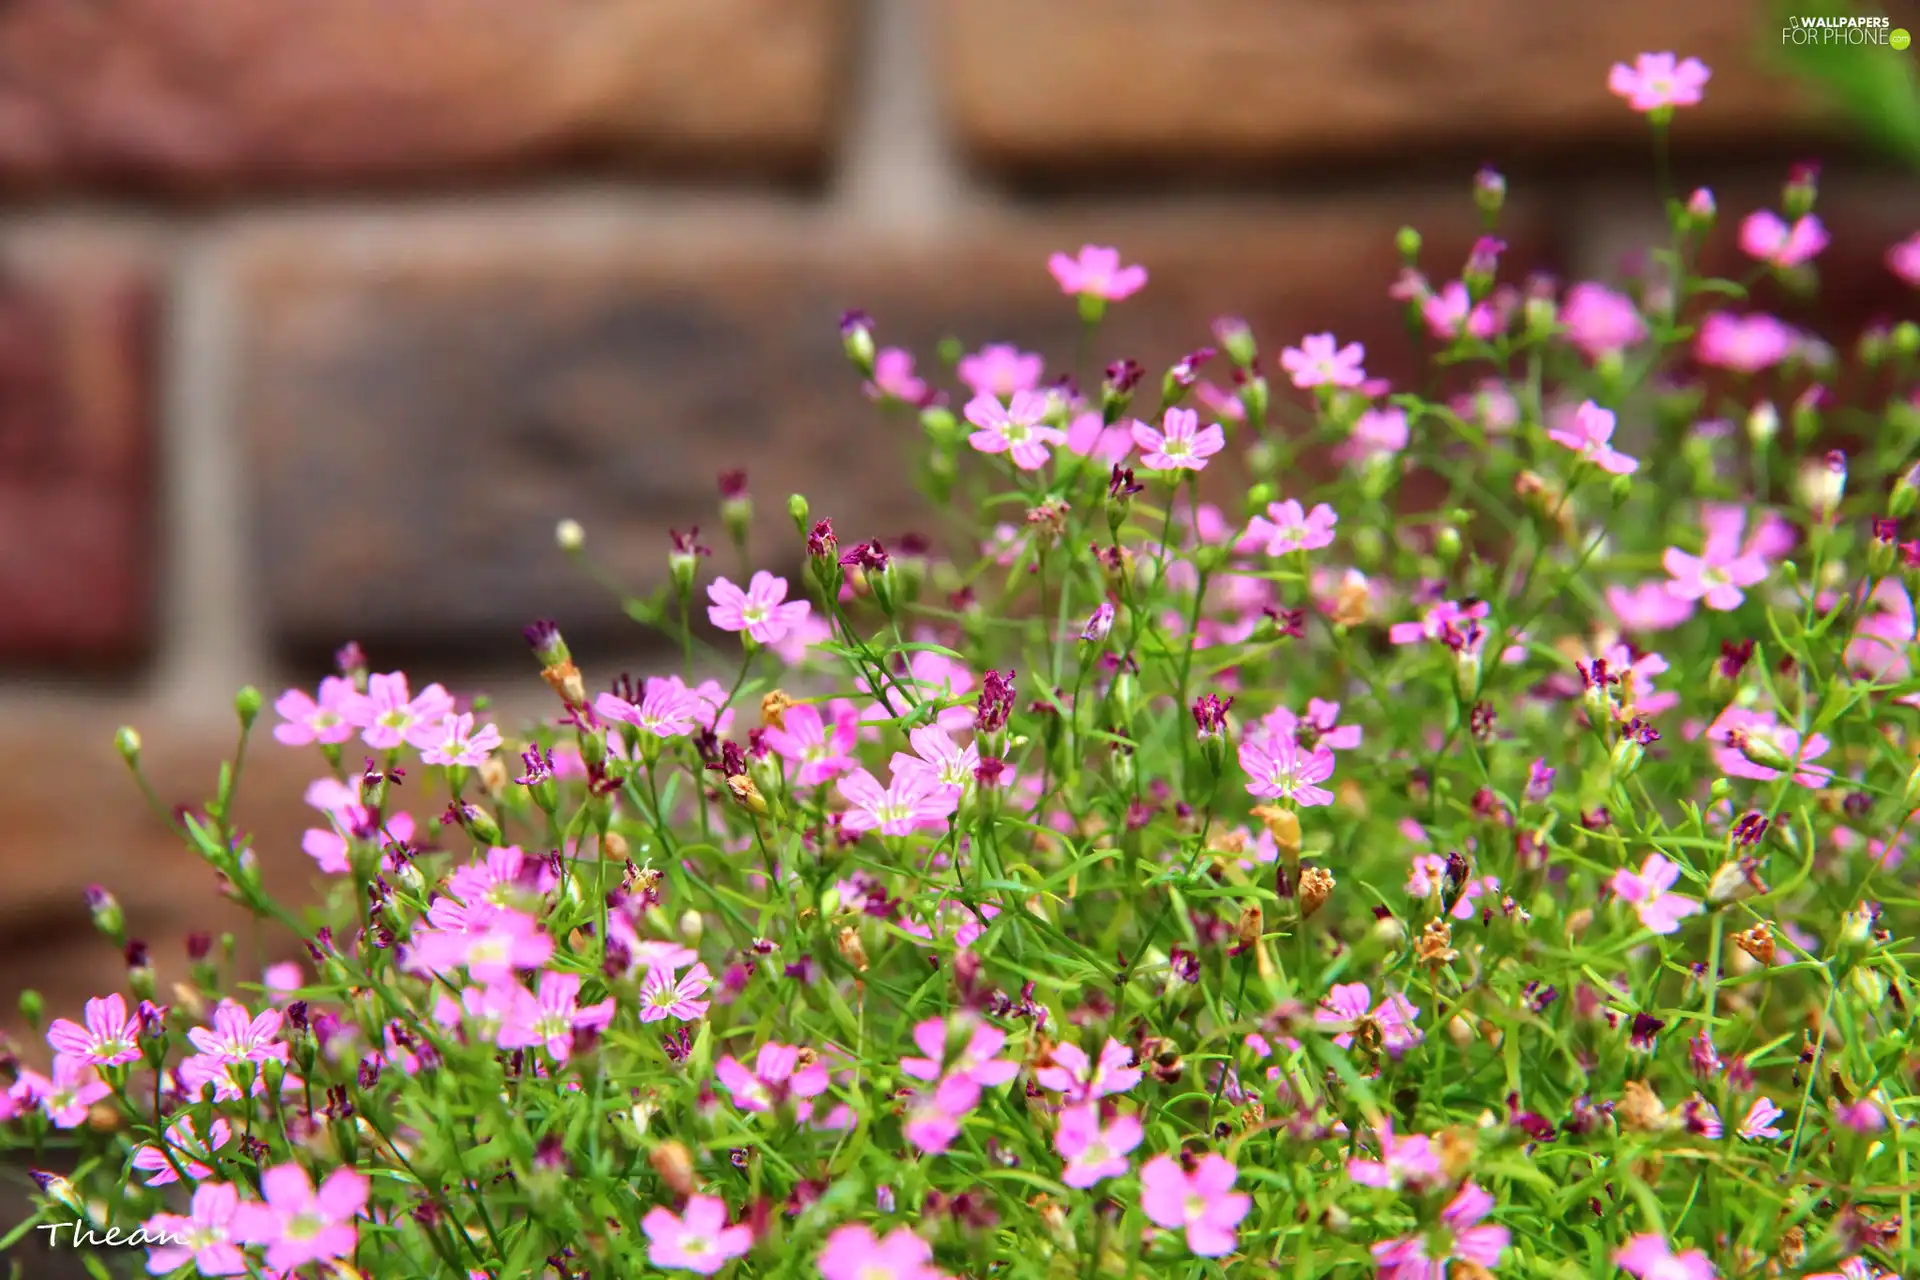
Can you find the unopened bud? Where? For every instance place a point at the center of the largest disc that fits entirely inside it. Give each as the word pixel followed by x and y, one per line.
pixel 1446 544
pixel 692 923
pixel 1905 490
pixel 1735 880
pixel 856 338
pixel 674 1164
pixel 1235 337
pixel 1283 825
pixel 107 916
pixel 570 536
pixel 799 512
pixel 126 740
pixel 1906 338
pixel 246 705
pixel 1803 187
pixel 1489 191
pixel 1254 398
pixel 854 951
pixel 1316 886
pixel 1099 624
pixel 1627 755
pixel 1822 483
pixel 1757 942
pixel 1763 423
pixel 1760 748
pixel 1407 241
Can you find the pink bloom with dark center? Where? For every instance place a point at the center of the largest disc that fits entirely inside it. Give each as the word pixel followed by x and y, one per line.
pixel 1349 1005
pixel 1744 344
pixel 1462 1236
pixel 193 1150
pixel 1096 273
pixel 999 370
pixel 912 801
pixel 1095 1152
pixel 1600 322
pixel 457 743
pixel 1287 526
pixel 109 1038
pixel 298 1224
pixel 387 716
pixel 1403 1162
pixel 1203 1202
pixel 1767 239
pixel 552 1017
pixel 203 1237
pixel 1657 81
pixel 1082 1079
pixel 1903 259
pixel 1648 891
pixel 893 378
pixel 776 1075
pixel 855 1253
pixel 698 1239
pixel 1319 361
pixel 1590 435
pixel 683 998
pixel 1183 445
pixel 804 738
pixel 975 1059
pixel 1280 769
pixel 762 610
pixel 1016 429
pixel 325 720
pixel 1650 1257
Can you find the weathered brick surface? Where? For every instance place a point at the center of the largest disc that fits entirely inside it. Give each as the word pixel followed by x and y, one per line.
pixel 227 92
pixel 422 409
pixel 1041 85
pixel 76 476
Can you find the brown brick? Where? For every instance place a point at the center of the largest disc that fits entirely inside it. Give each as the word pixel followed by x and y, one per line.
pixel 1035 85
pixel 226 93
pixel 423 407
pixel 76 476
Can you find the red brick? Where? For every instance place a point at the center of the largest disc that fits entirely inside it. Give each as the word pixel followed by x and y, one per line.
pixel 421 410
pixel 1035 85
pixel 233 93
pixel 76 474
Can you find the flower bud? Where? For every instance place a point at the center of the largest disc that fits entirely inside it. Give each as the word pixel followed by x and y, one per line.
pixel 32 1007
pixel 1910 797
pixel 1489 191
pixel 799 512
pixel 1446 544
pixel 1099 624
pixel 1905 490
pixel 107 916
pixel 246 705
pixel 1316 886
pixel 1734 881
pixel 1701 209
pixel 1906 338
pixel 1407 241
pixel 1822 483
pixel 1619 489
pixel 692 923
pixel 1763 424
pixel 1259 498
pixel 126 740
pixel 1803 187
pixel 856 339
pixel 674 1164
pixel 852 949
pixel 1254 398
pixel 569 536
pixel 1235 337
pixel 1466 674
pixel 1627 755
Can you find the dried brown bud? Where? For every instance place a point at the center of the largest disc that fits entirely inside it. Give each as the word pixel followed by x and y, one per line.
pixel 564 679
pixel 773 708
pixel 1757 942
pixel 1456 1149
pixel 1351 603
pixel 1283 825
pixel 614 845
pixel 674 1163
pixel 1316 886
pixel 493 775
pixel 1250 926
pixel 1578 922
pixel 1641 1109
pixel 747 793
pixel 1735 880
pixel 853 949
pixel 1435 946
pixel 1793 1245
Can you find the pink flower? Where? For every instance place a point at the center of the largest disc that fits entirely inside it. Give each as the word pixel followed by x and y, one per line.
pixel 1715 577
pixel 1766 238
pixel 1320 726
pixel 1657 82
pixel 1203 1202
pixel 776 1075
pixel 1183 446
pixel 1403 1162
pixel 1279 769
pixel 1442 618
pixel 999 370
pixel 1903 259
pixel 234 1037
pixel 299 1225
pixel 1658 909
pixel 1452 314
pixel 683 999
pixel 110 1037
pixel 1347 1005
pixel 975 1059
pixel 1377 433
pixel 893 378
pixel 939 761
pixel 1072 1073
pixel 204 1237
pixel 1089 436
pixel 1650 1257
pixel 1648 607
pixel 66 1095
pixel 552 1017
pixel 1096 273
pixel 933 1115
pixel 1460 1237
pixel 192 1149
pixel 387 716
pixel 1094 1152
pixel 913 800
pixel 1601 322
pixel 759 610
pixel 1883 635
pixel 1755 745
pixel 323 721
pixel 1862 1115
pixel 1289 527
pixel 698 1239
pixel 1759 1122
pixel 1016 429
pixel 804 739
pixel 491 942
pixel 456 743
pixel 1745 344
pixel 855 1253
pixel 1319 362
pixel 1589 436
pixel 666 709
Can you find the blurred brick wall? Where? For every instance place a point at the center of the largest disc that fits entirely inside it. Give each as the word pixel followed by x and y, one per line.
pixel 314 318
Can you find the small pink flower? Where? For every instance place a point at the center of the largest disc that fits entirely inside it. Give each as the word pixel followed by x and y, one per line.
pixel 893 378
pixel 204 1237
pixel 855 1253
pixel 933 1115
pixel 975 1060
pixel 776 1076
pixel 1289 527
pixel 1016 429
pixel 66 1095
pixel 110 1037
pixel 1462 1236
pixel 192 1149
pixel 1183 446
pixel 298 1224
pixel 999 370
pixel 1765 238
pixel 492 942
pixel 457 743
pixel 1650 1257
pixel 698 1239
pixel 683 999
pixel 388 716
pixel 1715 579
pixel 804 738
pixel 1744 344
pixel 1089 436
pixel 1601 322
pixel 1589 436
pixel 1377 433
pixel 1757 746
pixel 1202 1202
pixel 1759 1122
pixel 1320 726
pixel 1903 259
pixel 1320 362
pixel 1862 1115
pixel 1403 1162
pixel 762 610
pixel 1452 314
pixel 1094 1152
pixel 938 761
pixel 1658 909
pixel 1097 273
pixel 323 721
pixel 1348 1005
pixel 1279 769
pixel 1081 1079
pixel 912 801
pixel 1656 81
pixel 551 1018
pixel 666 709
pixel 1651 606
